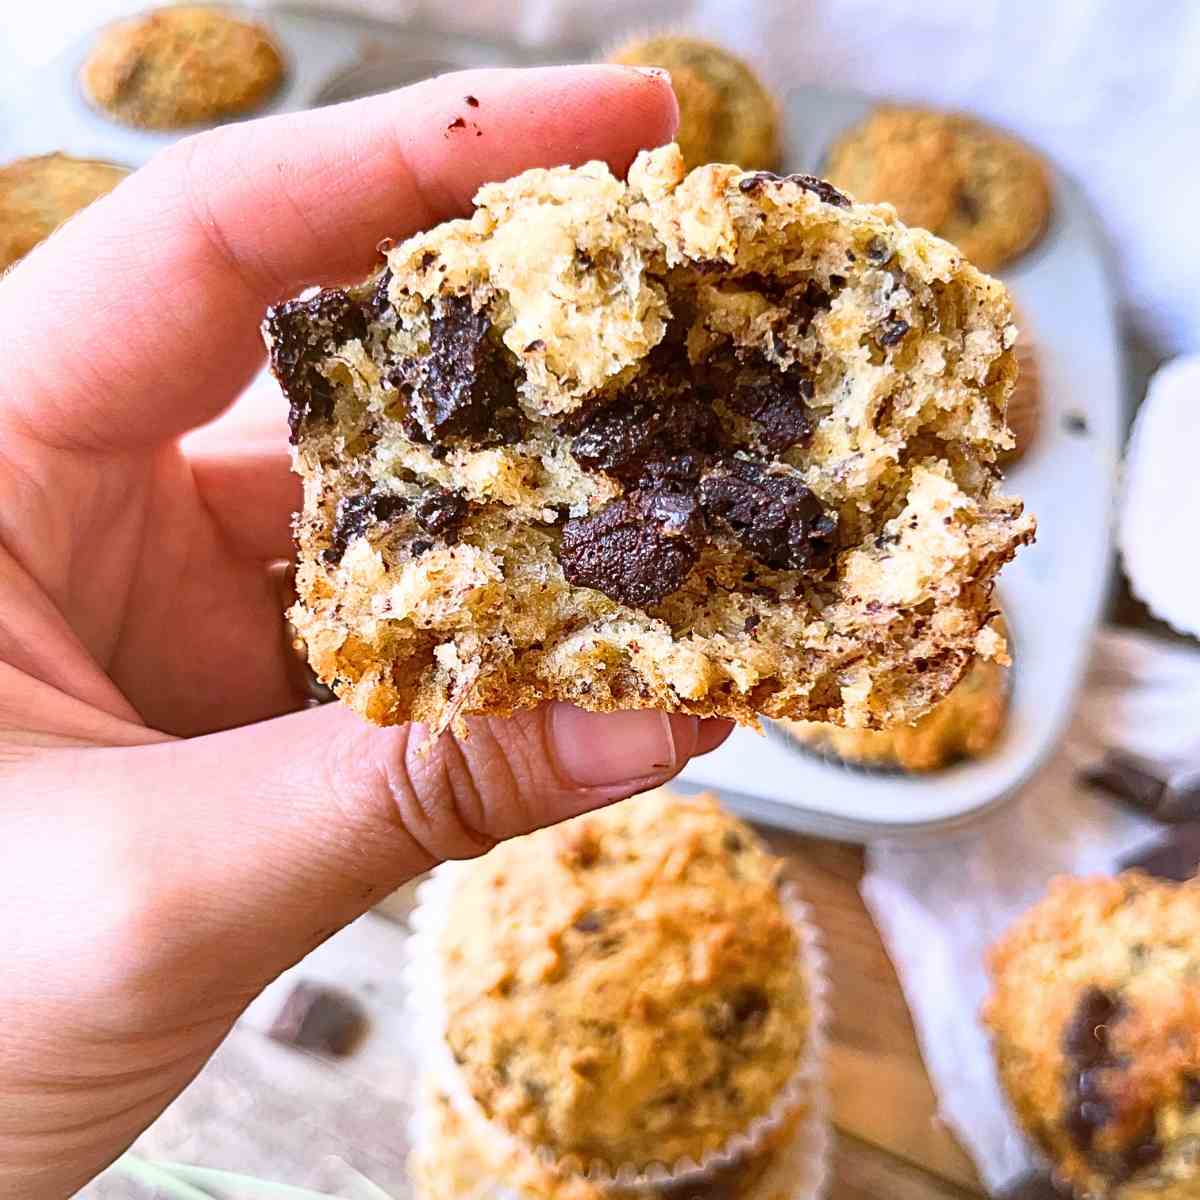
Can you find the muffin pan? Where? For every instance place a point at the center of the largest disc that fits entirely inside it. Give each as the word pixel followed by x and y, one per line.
pixel 1054 592
pixel 329 58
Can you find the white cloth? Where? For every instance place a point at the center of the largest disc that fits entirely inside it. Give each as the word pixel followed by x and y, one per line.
pixel 1108 89
pixel 939 906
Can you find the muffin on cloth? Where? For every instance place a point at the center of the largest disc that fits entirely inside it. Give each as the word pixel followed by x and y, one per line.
pixel 179 66
pixel 1095 1022
pixel 979 188
pixel 38 194
pixel 966 724
pixel 726 114
pixel 720 443
pixel 631 997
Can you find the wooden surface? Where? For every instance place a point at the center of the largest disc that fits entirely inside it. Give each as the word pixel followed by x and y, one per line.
pixel 890 1143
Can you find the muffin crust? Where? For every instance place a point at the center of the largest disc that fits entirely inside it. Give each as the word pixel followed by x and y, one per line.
pixel 626 988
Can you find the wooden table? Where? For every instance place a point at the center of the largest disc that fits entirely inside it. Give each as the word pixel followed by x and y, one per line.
pixel 890 1143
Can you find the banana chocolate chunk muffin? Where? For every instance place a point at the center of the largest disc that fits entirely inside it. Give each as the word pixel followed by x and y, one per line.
pixel 181 65
pixel 629 989
pixel 968 182
pixel 726 114
pixel 1095 1021
pixel 719 443
pixel 38 194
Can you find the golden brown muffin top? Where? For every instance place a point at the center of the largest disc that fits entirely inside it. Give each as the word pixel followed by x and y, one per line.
pixel 1095 1019
pixel 959 177
pixel 38 194
pixel 626 987
pixel 174 67
pixel 966 724
pixel 726 114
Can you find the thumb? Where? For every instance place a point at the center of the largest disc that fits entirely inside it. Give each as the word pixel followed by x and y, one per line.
pixel 278 834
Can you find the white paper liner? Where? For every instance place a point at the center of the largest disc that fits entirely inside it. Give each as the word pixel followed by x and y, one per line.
pixel 1160 502
pixel 801 1170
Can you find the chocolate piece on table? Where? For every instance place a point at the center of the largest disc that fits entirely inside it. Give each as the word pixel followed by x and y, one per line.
pixel 1170 795
pixel 1177 858
pixel 1038 1185
pixel 319 1018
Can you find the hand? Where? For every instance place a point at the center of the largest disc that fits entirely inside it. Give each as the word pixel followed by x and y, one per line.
pixel 175 828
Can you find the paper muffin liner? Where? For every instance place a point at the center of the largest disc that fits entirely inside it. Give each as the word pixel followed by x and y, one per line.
pixel 801 1167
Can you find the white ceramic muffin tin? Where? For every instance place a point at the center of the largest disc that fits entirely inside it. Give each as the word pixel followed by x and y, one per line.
pixel 1053 594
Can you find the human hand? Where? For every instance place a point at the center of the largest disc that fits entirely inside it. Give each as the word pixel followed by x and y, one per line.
pixel 174 830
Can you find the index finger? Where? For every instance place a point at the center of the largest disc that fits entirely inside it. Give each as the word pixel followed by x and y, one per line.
pixel 139 319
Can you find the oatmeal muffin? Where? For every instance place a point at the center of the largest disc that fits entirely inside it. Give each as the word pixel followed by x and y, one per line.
pixel 720 443
pixel 979 188
pixel 627 989
pixel 965 724
pixel 1095 1020
pixel 726 115
pixel 38 194
pixel 456 1156
pixel 179 66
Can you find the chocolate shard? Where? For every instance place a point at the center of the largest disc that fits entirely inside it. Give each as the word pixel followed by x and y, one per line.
pixel 1177 858
pixel 777 401
pixel 1087 1051
pixel 319 1018
pixel 644 423
pixel 1036 1186
pixel 467 377
pixel 358 513
pixel 774 516
pixel 302 334
pixel 1170 795
pixel 637 549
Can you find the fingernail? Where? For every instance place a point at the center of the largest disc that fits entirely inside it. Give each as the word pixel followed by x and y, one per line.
pixel 608 749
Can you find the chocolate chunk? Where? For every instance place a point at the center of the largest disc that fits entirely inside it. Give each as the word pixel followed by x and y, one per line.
pixel 356 514
pixel 643 422
pixel 739 1013
pixel 441 513
pixel 776 400
pixel 749 1006
pixel 380 303
pixel 967 205
pixel 892 330
pixel 438 512
pixel 589 922
pixel 821 188
pixel 879 250
pixel 1086 1046
pixel 1170 795
pixel 472 101
pixel 1143 1153
pixel 774 516
pixel 1039 1186
pixel 302 334
pixel 753 183
pixel 464 380
pixel 1191 1091
pixel 1178 858
pixel 315 1017
pixel 635 550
